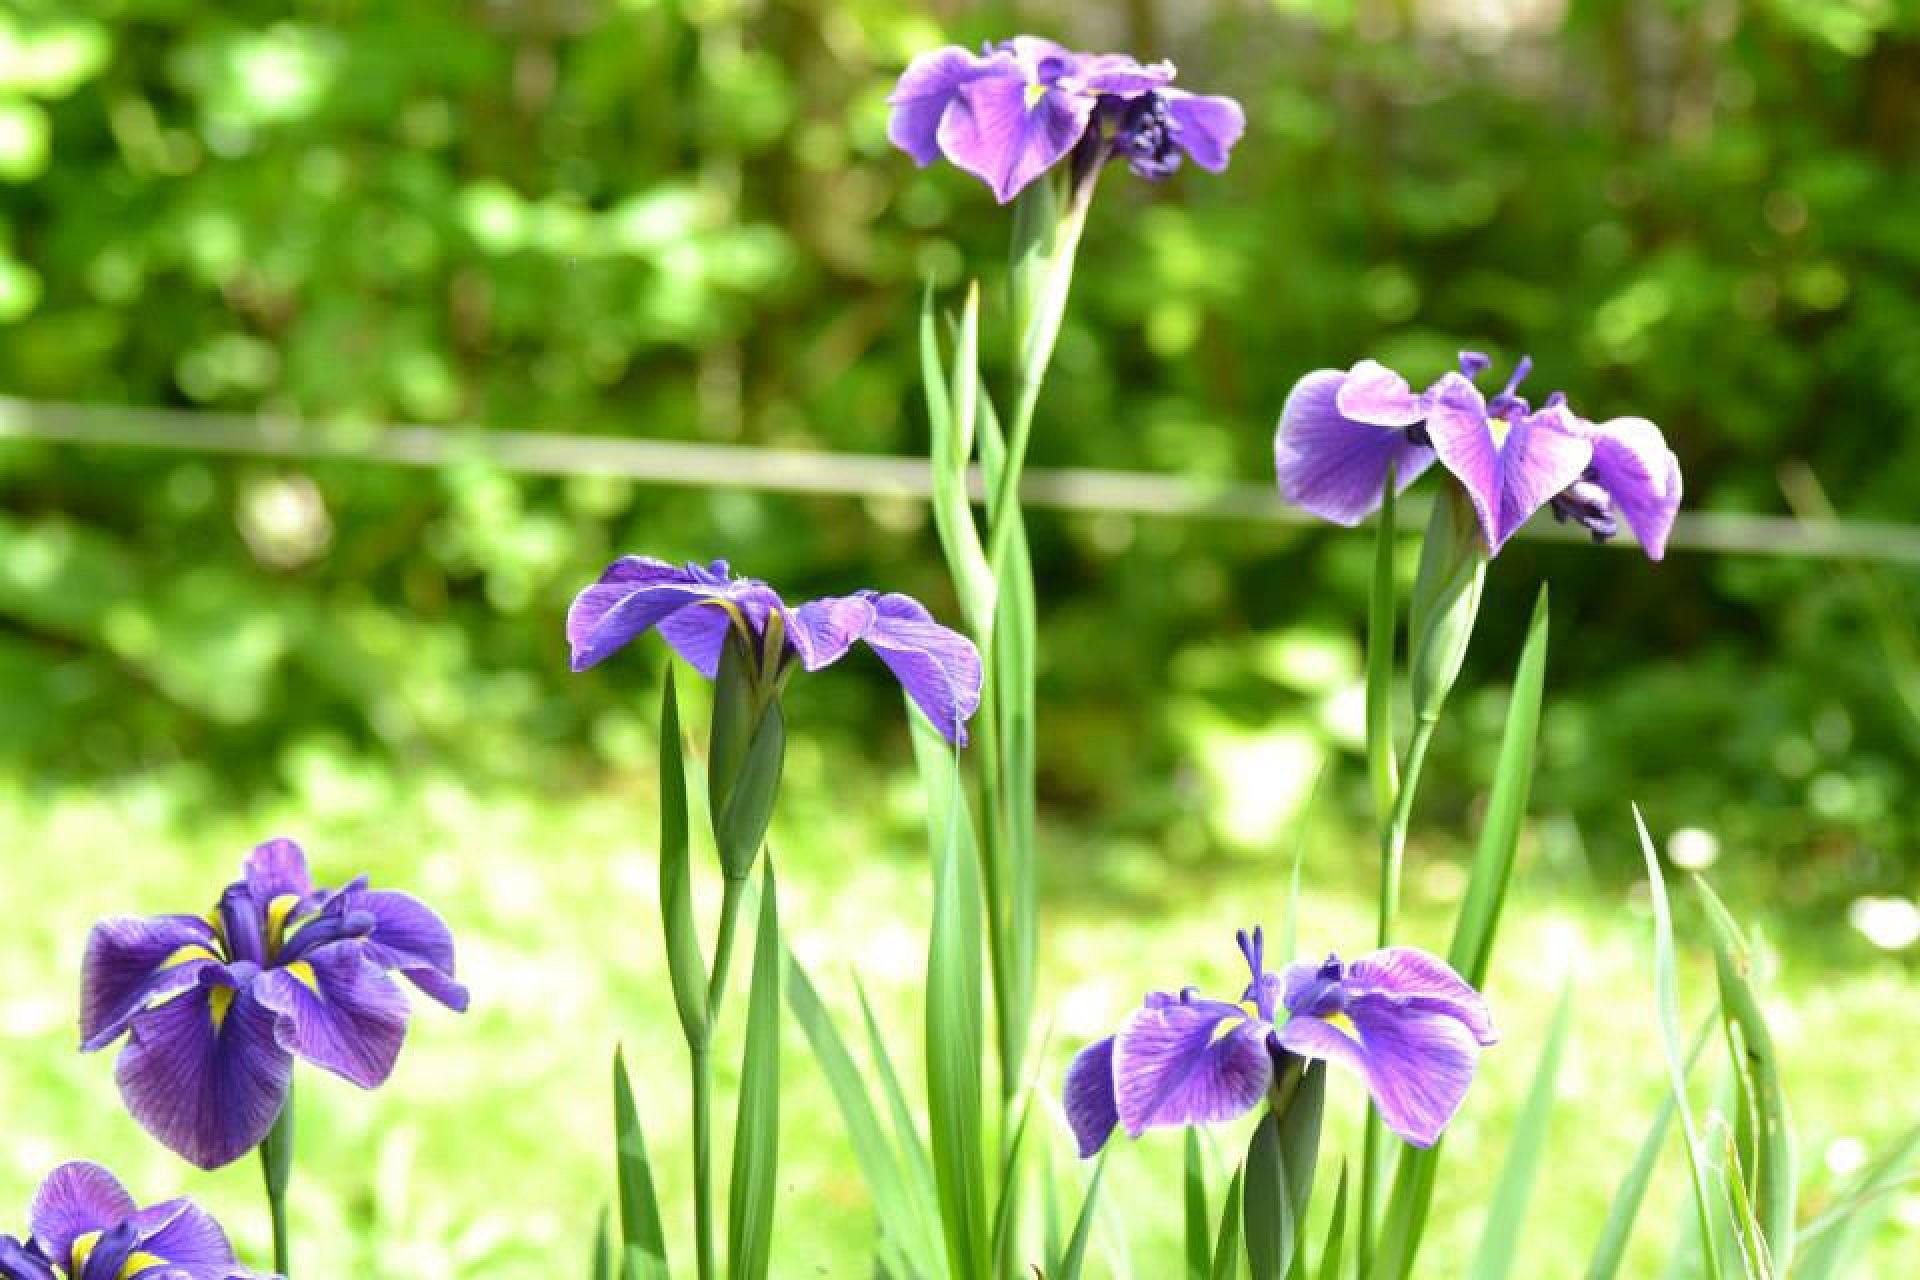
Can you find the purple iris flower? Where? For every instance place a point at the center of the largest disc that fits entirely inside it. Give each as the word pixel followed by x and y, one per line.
pixel 86 1227
pixel 215 1008
pixel 1013 111
pixel 1340 432
pixel 697 608
pixel 1404 1020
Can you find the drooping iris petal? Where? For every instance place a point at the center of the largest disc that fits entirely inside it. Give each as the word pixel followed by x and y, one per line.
pixel 1205 126
pixel 276 869
pixel 203 1072
pixel 1092 1112
pixel 130 964
pixel 1116 74
pixel 824 629
pixel 1422 981
pixel 1313 1037
pixel 633 595
pixel 338 1010
pixel 928 87
pixel 20 1261
pixel 75 1199
pixel 1509 469
pixel 1419 1065
pixel 410 937
pixel 1333 465
pixel 939 668
pixel 1375 394
pixel 1632 463
pixel 1193 1062
pixel 187 1238
pixel 1007 131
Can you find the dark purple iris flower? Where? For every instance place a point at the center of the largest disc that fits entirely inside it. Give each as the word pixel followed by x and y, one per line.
pixel 1013 111
pixel 1340 432
pixel 697 608
pixel 215 1008
pixel 86 1227
pixel 1404 1020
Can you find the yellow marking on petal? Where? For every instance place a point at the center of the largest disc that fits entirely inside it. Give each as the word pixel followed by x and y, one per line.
pixel 302 972
pixel 1035 92
pixel 83 1249
pixel 277 912
pixel 1342 1022
pixel 138 1262
pixel 219 1002
pixel 187 955
pixel 1501 429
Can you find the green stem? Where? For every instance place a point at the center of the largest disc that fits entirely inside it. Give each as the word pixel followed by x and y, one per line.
pixel 276 1167
pixel 731 895
pixel 1393 848
pixel 702 1066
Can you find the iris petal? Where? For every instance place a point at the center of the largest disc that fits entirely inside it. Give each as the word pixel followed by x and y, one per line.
pixel 276 869
pixel 130 964
pixel 1206 127
pixel 926 89
pixel 1507 479
pixel 1336 466
pixel 187 1238
pixel 208 1089
pixel 632 596
pixel 75 1199
pixel 1007 132
pixel 339 1011
pixel 1092 1112
pixel 1412 976
pixel 410 937
pixel 1632 463
pixel 1197 1062
pixel 938 667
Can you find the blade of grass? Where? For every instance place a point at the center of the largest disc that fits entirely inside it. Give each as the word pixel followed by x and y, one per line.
pixel 1666 987
pixel 916 1164
pixel 1005 1209
pixel 1830 1241
pixel 1763 1129
pixel 1493 859
pixel 900 1227
pixel 756 1131
pixel 1500 1237
pixel 1076 1255
pixel 1199 1227
pixel 602 1250
pixel 1612 1249
pixel 1336 1230
pixel 640 1230
pixel 1228 1249
pixel 954 1015
pixel 1382 763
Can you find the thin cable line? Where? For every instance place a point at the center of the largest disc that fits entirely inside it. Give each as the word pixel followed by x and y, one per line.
pixel 732 466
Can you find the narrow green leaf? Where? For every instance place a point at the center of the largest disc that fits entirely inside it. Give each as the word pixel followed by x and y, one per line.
pixel 1612 1249
pixel 640 1231
pixel 1228 1247
pixel 1666 987
pixel 756 1130
pixel 915 1162
pixel 1829 1243
pixel 1336 1230
pixel 1755 1262
pixel 685 965
pixel 1199 1226
pixel 1052 1231
pixel 1006 1207
pixel 1267 1209
pixel 1076 1254
pixel 1500 1236
pixel 1763 1129
pixel 1382 615
pixel 906 1247
pixel 951 440
pixel 1493 861
pixel 954 1048
pixel 1405 1221
pixel 747 806
pixel 602 1249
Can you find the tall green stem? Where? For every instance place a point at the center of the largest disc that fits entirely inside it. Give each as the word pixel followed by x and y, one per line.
pixel 702 1066
pixel 733 890
pixel 276 1167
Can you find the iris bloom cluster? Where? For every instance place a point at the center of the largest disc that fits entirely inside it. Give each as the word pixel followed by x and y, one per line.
pixel 1013 111
pixel 86 1227
pixel 215 1008
pixel 696 608
pixel 1341 432
pixel 1401 1019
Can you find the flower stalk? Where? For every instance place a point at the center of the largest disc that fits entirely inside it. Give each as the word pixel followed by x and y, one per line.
pixel 276 1167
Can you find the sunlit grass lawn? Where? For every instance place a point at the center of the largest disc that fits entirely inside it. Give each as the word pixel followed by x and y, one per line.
pixel 488 1153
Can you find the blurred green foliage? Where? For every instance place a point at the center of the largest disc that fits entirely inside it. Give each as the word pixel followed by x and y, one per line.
pixel 681 218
